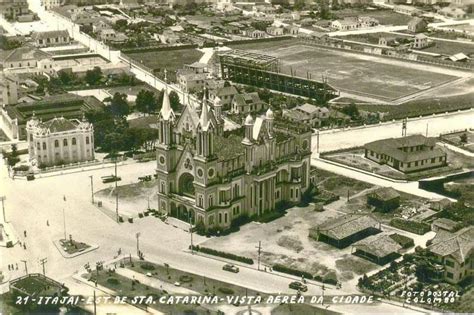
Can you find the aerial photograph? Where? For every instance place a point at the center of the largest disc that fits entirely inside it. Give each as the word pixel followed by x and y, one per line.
pixel 236 157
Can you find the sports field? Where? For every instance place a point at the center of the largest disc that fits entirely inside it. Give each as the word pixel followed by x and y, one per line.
pixel 364 75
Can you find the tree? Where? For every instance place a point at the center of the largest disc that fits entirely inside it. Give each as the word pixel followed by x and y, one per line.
pixel 299 5
pixel 335 5
pixel 66 77
pixel 120 25
pixel 174 100
pixel 463 138
pixel 93 76
pixel 351 110
pixel 324 12
pixel 12 157
pixel 119 105
pixel 146 101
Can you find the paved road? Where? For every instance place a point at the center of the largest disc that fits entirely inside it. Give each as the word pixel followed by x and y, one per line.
pixel 339 139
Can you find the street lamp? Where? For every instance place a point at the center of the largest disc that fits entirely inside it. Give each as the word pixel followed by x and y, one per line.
pixel 138 243
pixel 3 198
pixel 92 187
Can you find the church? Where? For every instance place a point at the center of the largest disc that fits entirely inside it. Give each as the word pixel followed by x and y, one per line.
pixel 210 176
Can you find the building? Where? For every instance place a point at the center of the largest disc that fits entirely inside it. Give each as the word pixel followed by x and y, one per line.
pixel 210 179
pixel 420 41
pixel 345 230
pixel 309 114
pixel 28 59
pixel 14 117
pixel 406 154
pixel 455 252
pixel 453 12
pixel 291 29
pixel 226 95
pixel 388 41
pixel 417 25
pixel 407 10
pixel 49 4
pixel 380 249
pixel 11 9
pixel 191 81
pixel 444 224
pixel 59 141
pixel 247 103
pixel 8 89
pixel 352 23
pixel 50 38
pixel 275 31
pixel 384 199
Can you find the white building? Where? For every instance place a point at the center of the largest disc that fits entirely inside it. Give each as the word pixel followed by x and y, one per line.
pixel 60 141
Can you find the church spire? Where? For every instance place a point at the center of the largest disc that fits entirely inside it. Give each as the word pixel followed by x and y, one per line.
pixel 166 110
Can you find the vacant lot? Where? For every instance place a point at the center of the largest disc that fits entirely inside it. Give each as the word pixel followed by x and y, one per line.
pixel 354 73
pixel 286 241
pixel 457 138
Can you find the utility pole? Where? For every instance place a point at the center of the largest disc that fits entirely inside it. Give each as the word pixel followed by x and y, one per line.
pixel 317 141
pixel 43 261
pixel 259 251
pixel 64 221
pixel 3 198
pixel 427 129
pixel 138 243
pixel 116 192
pixel 95 305
pixel 404 127
pixel 26 267
pixel 191 234
pixel 92 187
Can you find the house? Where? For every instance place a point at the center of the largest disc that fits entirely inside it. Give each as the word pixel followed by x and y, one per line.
pixel 167 37
pixel 453 12
pixel 455 252
pixel 247 103
pixel 351 23
pixel 384 199
pixel 291 30
pixel 107 34
pixel 308 114
pixel 380 249
pixel 12 9
pixel 59 141
pixel 345 230
pixel 444 224
pixel 99 26
pixel 406 154
pixel 420 41
pixel 417 25
pixel 407 10
pixel 459 57
pixel 226 95
pixel 191 81
pixel 49 4
pixel 50 38
pixel 253 33
pixel 275 31
pixel 439 205
pixel 388 41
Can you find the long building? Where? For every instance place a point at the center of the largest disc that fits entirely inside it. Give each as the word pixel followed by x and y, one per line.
pixel 211 179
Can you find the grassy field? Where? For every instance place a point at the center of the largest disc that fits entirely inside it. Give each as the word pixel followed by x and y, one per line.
pixel 450 48
pixel 455 139
pixel 354 73
pixel 385 17
pixel 171 60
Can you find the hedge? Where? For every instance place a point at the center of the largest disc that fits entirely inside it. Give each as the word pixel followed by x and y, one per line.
pixel 214 252
pixel 292 271
pixel 419 228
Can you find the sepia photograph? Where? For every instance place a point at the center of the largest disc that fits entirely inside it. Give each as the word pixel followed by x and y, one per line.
pixel 236 157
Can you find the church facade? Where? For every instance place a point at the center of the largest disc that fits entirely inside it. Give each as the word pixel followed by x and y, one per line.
pixel 212 177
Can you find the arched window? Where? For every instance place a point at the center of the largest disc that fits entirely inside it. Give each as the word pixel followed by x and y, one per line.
pixel 65 142
pixel 87 140
pixel 38 145
pixel 73 141
pixel 44 145
pixel 56 143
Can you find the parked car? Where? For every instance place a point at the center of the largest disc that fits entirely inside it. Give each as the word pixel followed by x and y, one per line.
pixel 178 284
pixel 110 179
pixel 231 268
pixel 296 285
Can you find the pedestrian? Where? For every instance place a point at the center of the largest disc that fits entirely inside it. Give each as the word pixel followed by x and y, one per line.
pixel 24 246
pixel 24 232
pixel 47 222
pixel 16 266
pixel 9 267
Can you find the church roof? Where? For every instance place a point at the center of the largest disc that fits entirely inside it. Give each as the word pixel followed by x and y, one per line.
pixel 166 110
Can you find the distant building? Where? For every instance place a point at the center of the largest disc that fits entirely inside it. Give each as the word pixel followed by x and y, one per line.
pixel 420 41
pixel 60 141
pixel 388 41
pixel 107 34
pixel 226 95
pixel 352 23
pixel 275 31
pixel 345 230
pixel 444 224
pixel 417 25
pixel 384 199
pixel 407 154
pixel 407 10
pixel 291 29
pixel 455 252
pixel 191 81
pixel 452 12
pixel 11 9
pixel 49 4
pixel 50 38
pixel 247 103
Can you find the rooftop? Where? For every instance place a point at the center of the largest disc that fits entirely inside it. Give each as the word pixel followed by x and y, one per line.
pixel 379 245
pixel 459 245
pixel 385 193
pixel 227 148
pixel 347 225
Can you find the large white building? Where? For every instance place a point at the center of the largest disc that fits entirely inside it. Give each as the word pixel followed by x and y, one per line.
pixel 60 141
